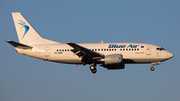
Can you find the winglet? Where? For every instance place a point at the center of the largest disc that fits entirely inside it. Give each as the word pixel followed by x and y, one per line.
pixel 18 45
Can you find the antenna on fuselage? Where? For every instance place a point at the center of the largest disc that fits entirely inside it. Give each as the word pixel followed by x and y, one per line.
pixel 101 41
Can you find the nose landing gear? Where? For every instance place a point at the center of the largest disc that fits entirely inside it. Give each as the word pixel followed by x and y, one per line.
pixel 152 68
pixel 154 63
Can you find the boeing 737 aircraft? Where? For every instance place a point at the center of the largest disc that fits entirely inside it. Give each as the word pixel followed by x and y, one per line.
pixel 108 55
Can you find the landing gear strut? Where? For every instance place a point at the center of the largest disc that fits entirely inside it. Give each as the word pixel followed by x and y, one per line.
pixel 93 68
pixel 154 63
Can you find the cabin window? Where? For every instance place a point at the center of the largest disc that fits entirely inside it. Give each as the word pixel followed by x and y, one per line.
pixel 98 49
pixel 101 49
pixel 104 49
pixel 142 46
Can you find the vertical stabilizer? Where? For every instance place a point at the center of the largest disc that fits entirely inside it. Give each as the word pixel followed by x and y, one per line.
pixel 26 33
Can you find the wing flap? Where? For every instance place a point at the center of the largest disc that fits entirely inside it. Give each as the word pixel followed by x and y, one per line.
pixel 87 55
pixel 84 50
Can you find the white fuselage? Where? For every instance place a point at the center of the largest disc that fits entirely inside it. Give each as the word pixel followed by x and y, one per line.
pixel 132 52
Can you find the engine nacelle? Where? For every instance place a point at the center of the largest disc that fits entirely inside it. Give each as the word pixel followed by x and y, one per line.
pixel 113 59
pixel 112 67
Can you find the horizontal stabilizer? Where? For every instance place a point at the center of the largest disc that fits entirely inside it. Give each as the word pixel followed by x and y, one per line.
pixel 18 45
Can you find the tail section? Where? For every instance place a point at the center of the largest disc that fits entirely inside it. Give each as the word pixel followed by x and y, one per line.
pixel 26 33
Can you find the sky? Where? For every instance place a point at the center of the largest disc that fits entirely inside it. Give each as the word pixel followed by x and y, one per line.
pixel 23 78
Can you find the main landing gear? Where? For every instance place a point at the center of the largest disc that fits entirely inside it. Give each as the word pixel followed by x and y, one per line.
pixel 93 68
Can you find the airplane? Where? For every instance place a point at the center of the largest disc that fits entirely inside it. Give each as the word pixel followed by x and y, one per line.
pixel 111 56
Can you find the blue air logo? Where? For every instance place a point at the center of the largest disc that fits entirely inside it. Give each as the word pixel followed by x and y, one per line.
pixel 117 46
pixel 25 27
pixel 122 46
pixel 132 46
pixel 119 58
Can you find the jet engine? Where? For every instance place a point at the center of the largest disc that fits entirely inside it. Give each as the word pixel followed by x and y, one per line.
pixel 113 59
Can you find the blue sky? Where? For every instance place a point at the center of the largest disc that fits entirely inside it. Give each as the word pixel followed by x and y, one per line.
pixel 24 78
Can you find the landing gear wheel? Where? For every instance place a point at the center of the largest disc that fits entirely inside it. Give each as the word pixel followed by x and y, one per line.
pixel 152 68
pixel 93 69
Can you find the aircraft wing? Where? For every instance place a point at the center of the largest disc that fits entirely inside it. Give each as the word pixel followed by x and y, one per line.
pixel 87 55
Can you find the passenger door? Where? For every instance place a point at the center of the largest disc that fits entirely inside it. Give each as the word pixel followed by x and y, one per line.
pixel 47 52
pixel 148 50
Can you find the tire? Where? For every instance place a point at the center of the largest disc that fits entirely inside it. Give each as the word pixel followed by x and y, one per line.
pixel 152 68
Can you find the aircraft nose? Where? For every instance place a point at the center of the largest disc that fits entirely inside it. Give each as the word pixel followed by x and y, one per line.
pixel 170 55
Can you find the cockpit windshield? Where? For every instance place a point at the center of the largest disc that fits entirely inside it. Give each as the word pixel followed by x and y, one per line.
pixel 160 49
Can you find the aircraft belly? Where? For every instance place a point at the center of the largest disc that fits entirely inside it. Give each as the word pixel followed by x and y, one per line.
pixel 65 58
pixel 71 61
pixel 142 60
